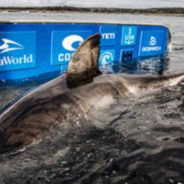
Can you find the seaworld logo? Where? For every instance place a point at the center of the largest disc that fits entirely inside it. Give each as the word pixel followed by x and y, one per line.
pixel 9 45
pixel 17 50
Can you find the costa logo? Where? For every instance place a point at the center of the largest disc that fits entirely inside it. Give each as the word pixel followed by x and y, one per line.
pixel 64 44
pixel 68 42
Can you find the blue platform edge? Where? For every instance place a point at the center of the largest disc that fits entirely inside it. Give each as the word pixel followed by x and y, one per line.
pixel 32 50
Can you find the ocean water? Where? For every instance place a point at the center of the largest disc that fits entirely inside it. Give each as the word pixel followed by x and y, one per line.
pixel 134 142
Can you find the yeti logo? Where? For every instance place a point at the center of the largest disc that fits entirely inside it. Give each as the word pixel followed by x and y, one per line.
pixel 9 45
pixel 69 41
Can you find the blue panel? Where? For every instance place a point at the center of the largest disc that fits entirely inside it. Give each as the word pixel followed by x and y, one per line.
pixel 33 50
pixel 17 50
pixel 151 43
pixel 129 35
pixel 64 44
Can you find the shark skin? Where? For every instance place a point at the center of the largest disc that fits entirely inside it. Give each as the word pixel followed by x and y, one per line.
pixel 72 96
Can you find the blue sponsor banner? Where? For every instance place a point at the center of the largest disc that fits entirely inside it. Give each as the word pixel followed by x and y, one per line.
pixel 64 44
pixel 29 50
pixel 151 43
pixel 17 50
pixel 108 35
pixel 106 57
pixel 129 35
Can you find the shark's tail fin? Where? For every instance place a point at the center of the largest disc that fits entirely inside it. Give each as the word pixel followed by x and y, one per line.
pixel 175 78
pixel 166 80
pixel 151 83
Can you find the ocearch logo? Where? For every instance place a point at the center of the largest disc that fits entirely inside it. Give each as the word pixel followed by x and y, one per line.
pixel 9 45
pixel 153 41
pixel 152 45
pixel 68 42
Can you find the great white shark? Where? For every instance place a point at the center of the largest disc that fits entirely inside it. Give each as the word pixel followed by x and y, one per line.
pixel 71 95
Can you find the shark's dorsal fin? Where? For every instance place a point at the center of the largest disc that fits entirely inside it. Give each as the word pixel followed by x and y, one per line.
pixel 83 67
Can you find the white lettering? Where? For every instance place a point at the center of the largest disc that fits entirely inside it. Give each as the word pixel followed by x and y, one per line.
pixel 65 57
pixel 11 60
pixel 28 59
pixel 148 49
pixel 16 61
pixel 108 36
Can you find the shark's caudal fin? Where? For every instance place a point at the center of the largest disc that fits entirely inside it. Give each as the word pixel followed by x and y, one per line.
pixel 151 83
pixel 84 65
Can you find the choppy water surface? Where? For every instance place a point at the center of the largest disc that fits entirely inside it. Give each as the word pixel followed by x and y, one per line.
pixel 136 141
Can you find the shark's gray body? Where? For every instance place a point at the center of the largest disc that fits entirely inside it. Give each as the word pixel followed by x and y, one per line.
pixel 71 96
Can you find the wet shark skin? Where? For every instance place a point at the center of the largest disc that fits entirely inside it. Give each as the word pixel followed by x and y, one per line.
pixel 75 95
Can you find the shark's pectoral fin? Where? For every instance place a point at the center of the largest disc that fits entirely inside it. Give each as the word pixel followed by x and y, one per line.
pixel 84 65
